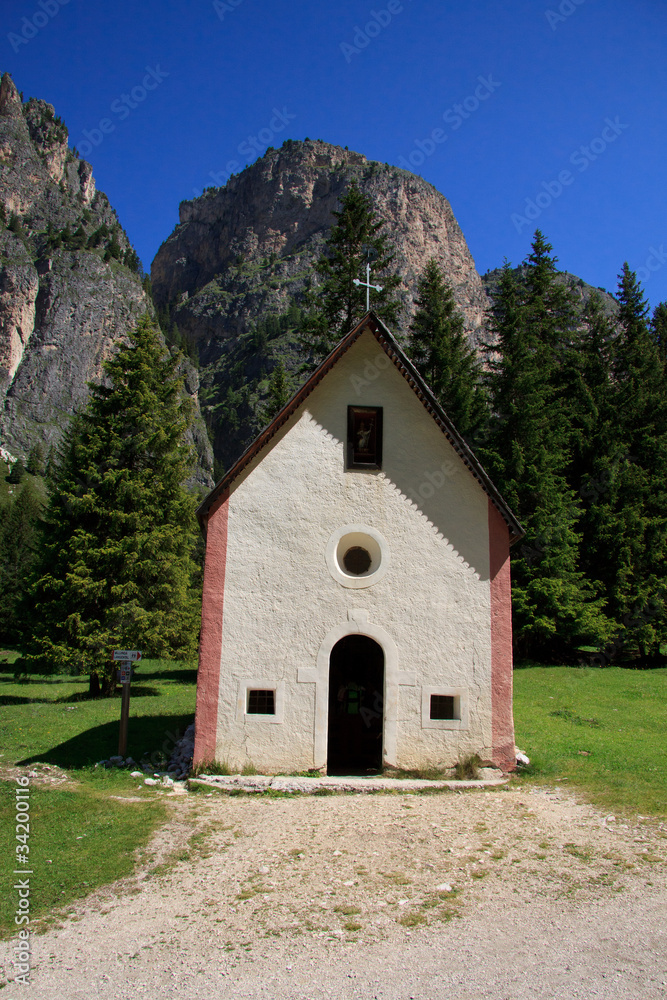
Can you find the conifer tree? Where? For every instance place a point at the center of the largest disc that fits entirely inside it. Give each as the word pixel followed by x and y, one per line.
pixel 336 304
pixel 632 538
pixel 595 453
pixel 36 460
pixel 659 331
pixel 442 355
pixel 17 473
pixel 555 607
pixel 279 391
pixel 116 566
pixel 18 539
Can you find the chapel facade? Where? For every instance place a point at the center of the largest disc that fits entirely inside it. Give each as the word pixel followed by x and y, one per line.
pixel 356 604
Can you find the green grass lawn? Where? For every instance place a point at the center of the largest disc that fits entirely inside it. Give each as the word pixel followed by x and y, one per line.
pixel 91 830
pixel 50 719
pixel 82 835
pixel 604 730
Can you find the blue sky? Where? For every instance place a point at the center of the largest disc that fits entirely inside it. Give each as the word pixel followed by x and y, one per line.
pixel 523 113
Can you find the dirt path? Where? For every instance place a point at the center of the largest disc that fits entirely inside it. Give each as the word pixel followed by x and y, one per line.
pixel 505 894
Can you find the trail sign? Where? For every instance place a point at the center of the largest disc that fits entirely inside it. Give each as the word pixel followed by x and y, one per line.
pixel 125 657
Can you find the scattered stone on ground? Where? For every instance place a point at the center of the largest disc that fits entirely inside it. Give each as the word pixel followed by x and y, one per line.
pixel 177 768
pixel 512 892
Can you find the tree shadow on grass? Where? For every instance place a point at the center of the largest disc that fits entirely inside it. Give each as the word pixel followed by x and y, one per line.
pixel 188 675
pixel 138 691
pixel 6 678
pixel 147 734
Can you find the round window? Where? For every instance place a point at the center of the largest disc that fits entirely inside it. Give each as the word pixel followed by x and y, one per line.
pixel 357 560
pixel 357 556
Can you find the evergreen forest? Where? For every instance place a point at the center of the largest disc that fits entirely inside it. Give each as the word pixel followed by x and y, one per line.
pixel 565 405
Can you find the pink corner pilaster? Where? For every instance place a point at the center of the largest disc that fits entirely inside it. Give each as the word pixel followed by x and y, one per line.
pixel 501 642
pixel 210 644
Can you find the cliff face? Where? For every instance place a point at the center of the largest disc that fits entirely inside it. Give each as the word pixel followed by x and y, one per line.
pixel 247 249
pixel 69 281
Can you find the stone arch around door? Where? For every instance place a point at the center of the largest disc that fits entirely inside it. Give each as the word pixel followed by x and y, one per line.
pixel 359 624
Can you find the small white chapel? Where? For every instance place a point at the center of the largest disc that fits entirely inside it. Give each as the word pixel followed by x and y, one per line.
pixel 357 606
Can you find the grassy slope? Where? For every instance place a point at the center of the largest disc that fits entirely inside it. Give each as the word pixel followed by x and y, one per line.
pixel 57 725
pixel 80 838
pixel 83 836
pixel 603 730
pixel 88 832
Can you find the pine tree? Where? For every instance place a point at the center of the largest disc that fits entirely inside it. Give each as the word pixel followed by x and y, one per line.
pixel 337 303
pixel 632 542
pixel 279 391
pixel 555 608
pixel 18 539
pixel 442 355
pixel 116 566
pixel 36 460
pixel 595 454
pixel 659 331
pixel 17 473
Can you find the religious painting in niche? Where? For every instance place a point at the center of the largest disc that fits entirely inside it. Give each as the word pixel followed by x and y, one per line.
pixel 364 437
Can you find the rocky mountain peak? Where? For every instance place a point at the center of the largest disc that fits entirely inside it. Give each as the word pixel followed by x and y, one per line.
pixel 10 99
pixel 70 282
pixel 246 251
pixel 280 208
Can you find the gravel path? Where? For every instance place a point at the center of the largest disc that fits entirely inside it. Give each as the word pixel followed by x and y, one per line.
pixel 506 894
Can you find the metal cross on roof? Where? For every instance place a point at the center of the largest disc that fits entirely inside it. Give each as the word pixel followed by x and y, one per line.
pixel 367 285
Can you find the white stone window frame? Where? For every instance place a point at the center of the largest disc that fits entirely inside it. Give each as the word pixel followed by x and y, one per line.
pixel 362 535
pixel 460 696
pixel 278 688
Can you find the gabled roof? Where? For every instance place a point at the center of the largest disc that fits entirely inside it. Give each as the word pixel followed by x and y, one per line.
pixel 374 325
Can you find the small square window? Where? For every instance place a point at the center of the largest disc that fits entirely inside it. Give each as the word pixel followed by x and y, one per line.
pixel 442 706
pixel 364 437
pixel 261 702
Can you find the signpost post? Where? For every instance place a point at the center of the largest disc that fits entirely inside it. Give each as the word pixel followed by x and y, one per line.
pixel 125 658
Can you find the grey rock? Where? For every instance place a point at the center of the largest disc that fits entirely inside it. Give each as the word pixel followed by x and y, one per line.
pixel 243 250
pixel 62 307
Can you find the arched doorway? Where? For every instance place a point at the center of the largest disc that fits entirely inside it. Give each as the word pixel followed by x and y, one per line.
pixel 356 715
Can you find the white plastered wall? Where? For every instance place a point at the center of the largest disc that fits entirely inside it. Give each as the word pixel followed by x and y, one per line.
pixel 283 606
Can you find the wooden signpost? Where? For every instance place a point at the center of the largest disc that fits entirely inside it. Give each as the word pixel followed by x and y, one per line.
pixel 125 658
